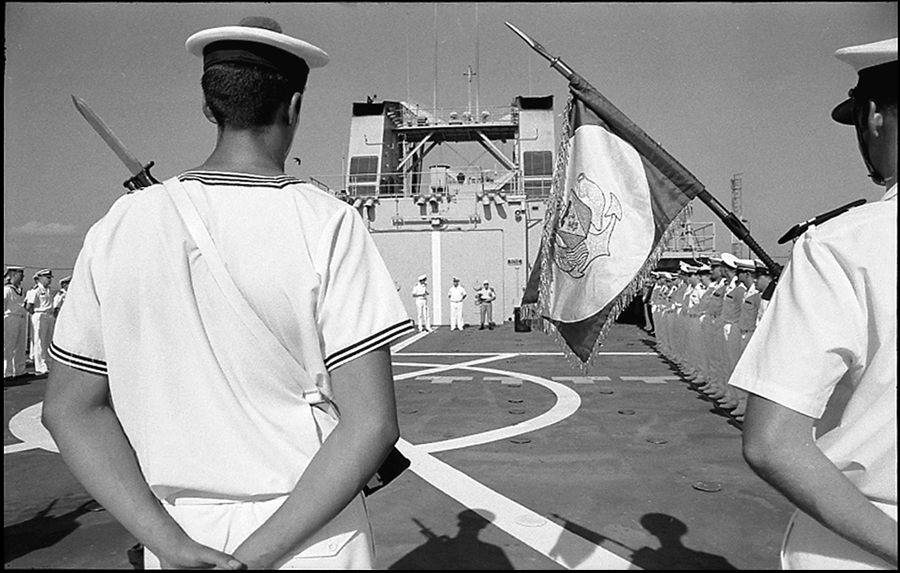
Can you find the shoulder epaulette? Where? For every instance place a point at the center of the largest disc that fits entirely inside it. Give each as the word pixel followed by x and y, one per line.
pixel 801 228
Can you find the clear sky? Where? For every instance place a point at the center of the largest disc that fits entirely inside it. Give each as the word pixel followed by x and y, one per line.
pixel 726 88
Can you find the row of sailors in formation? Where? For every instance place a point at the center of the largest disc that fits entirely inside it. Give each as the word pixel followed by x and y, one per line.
pixel 703 318
pixel 41 304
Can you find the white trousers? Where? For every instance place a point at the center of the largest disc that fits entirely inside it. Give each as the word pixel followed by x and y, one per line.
pixel 422 319
pixel 42 332
pixel 456 319
pixel 14 341
pixel 346 542
pixel 732 337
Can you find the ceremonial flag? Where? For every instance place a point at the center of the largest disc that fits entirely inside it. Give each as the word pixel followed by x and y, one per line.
pixel 615 194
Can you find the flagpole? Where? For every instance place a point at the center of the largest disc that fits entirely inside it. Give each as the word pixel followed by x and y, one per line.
pixel 578 83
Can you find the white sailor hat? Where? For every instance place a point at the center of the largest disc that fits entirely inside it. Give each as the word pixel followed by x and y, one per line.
pixel 686 268
pixel 455 279
pixel 876 66
pixel 258 41
pixel 13 269
pixel 65 280
pixel 761 268
pixel 729 260
pixel 704 269
pixel 745 265
pixel 486 282
pixel 423 277
pixel 44 273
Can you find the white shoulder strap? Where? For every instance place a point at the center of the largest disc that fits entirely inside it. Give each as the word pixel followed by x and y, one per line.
pixel 251 320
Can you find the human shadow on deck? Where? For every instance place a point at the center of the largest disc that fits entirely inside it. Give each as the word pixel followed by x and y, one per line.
pixel 463 552
pixel 672 554
pixel 40 531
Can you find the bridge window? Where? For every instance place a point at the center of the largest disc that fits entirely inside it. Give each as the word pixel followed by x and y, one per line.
pixel 363 174
pixel 538 163
pixel 538 171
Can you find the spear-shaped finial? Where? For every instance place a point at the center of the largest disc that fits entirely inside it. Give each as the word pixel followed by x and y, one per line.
pixel 555 62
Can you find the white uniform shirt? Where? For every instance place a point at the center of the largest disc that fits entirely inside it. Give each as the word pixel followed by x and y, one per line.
pixel 694 296
pixel 41 297
pixel 59 299
pixel 827 345
pixel 716 297
pixel 457 293
pixel 420 290
pixel 731 306
pixel 486 295
pixel 749 309
pixel 13 301
pixel 197 398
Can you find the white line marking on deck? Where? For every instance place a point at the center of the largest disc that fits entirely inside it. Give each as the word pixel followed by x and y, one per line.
pixel 506 380
pixel 27 426
pixel 395 351
pixel 651 379
pixel 443 379
pixel 582 379
pixel 550 539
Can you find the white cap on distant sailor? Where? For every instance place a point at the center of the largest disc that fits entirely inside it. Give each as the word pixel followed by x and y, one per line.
pixel 423 277
pixel 729 260
pixel 745 265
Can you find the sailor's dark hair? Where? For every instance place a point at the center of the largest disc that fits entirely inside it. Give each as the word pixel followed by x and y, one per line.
pixel 243 96
pixel 878 84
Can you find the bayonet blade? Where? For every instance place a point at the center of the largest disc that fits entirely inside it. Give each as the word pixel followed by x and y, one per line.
pixel 134 166
pixel 555 62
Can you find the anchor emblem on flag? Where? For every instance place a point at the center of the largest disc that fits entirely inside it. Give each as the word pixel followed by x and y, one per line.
pixel 586 226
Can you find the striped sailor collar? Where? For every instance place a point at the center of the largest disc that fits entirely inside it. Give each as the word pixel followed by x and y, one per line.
pixel 891 194
pixel 238 178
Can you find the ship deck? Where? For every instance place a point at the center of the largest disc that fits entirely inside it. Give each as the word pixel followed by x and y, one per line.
pixel 518 462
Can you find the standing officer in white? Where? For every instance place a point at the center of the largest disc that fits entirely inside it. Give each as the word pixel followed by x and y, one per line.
pixel 485 297
pixel 14 316
pixel 457 294
pixel 39 303
pixel 420 294
pixel 823 361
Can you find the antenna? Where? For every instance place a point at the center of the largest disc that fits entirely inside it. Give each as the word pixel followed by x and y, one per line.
pixel 435 61
pixel 407 56
pixel 477 66
pixel 468 74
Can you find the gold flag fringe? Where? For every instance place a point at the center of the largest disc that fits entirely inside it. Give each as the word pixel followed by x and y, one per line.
pixel 536 312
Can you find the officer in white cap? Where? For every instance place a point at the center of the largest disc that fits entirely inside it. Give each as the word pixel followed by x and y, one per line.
pixel 713 342
pixel 39 304
pixel 731 334
pixel 485 297
pixel 14 325
pixel 457 294
pixel 823 360
pixel 420 295
pixel 60 297
pixel 223 449
pixel 763 282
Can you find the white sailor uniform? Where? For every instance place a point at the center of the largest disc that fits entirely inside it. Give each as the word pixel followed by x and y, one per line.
pixel 14 331
pixel 229 437
pixel 827 348
pixel 420 294
pixel 42 319
pixel 456 294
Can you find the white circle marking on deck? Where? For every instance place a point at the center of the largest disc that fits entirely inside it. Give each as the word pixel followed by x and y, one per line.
pixel 27 426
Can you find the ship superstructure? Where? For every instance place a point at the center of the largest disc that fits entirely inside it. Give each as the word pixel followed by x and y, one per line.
pixel 477 222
